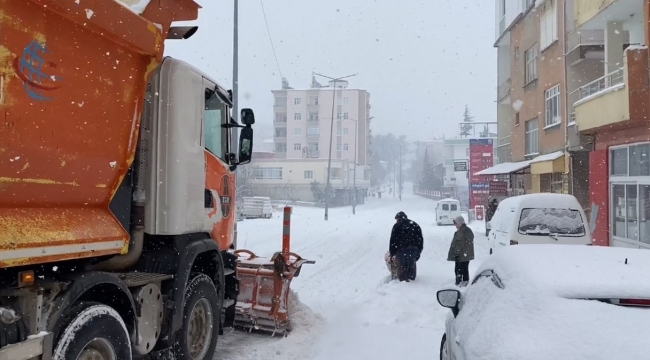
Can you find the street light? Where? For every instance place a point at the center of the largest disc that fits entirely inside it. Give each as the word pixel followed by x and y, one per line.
pixel 329 157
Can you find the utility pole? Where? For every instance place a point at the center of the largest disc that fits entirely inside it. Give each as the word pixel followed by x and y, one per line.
pixel 354 181
pixel 234 144
pixel 400 173
pixel 329 156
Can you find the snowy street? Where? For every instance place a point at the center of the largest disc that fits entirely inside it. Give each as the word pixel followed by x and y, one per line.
pixel 348 308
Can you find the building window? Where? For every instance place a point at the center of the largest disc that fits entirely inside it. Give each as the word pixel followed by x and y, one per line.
pixel 312 131
pixel 309 174
pixel 553 106
pixel 297 131
pixel 271 173
pixel 517 119
pixel 528 3
pixel 557 183
pixel 342 101
pixel 532 138
pixel 346 147
pixel 345 131
pixel 280 147
pixel 338 147
pixel 531 64
pixel 214 116
pixel 280 101
pixel 345 116
pixel 339 116
pixel 313 146
pixel 297 101
pixel 630 193
pixel 281 132
pixel 281 117
pixel 297 146
pixel 335 173
pixel 313 100
pixel 313 116
pixel 297 116
pixel 548 24
pixel 345 101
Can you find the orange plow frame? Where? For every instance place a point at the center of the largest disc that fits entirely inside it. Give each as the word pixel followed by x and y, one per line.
pixel 263 301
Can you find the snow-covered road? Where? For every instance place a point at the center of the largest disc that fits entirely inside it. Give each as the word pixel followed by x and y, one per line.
pixel 349 308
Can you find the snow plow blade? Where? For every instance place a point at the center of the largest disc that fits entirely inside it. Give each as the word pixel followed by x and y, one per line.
pixel 263 302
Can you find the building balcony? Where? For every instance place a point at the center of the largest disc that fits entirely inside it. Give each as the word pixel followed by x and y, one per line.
pixel 590 14
pixel 279 123
pixel 503 90
pixel 584 44
pixel 617 97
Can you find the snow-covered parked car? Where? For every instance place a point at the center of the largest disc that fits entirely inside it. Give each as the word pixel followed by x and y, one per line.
pixel 539 219
pixel 542 302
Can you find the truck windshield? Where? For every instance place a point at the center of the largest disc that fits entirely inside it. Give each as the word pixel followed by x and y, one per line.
pixel 215 136
pixel 549 221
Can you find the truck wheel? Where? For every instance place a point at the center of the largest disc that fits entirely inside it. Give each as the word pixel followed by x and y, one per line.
pixel 197 338
pixel 93 331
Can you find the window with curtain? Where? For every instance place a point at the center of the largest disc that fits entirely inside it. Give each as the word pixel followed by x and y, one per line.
pixel 548 24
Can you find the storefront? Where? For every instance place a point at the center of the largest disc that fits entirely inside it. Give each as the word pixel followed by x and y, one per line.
pixel 629 189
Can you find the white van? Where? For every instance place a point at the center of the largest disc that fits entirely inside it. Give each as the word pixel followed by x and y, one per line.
pixel 539 219
pixel 446 211
pixel 257 207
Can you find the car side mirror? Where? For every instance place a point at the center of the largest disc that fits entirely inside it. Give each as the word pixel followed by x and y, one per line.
pixel 449 298
pixel 245 145
pixel 247 117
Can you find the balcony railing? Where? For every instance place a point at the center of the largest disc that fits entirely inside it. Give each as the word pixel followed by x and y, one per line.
pixel 601 84
pixel 504 141
pixel 584 37
pixel 504 89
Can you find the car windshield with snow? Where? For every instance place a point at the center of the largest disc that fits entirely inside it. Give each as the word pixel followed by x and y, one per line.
pixel 550 221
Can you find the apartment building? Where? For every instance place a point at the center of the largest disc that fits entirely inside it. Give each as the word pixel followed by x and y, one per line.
pixel 610 109
pixel 598 62
pixel 303 120
pixel 531 116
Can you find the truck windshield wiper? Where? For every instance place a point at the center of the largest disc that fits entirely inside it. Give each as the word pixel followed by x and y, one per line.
pixel 552 236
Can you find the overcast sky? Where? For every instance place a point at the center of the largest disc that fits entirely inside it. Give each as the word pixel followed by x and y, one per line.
pixel 421 60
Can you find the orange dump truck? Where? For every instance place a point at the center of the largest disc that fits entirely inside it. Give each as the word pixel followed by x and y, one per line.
pixel 116 185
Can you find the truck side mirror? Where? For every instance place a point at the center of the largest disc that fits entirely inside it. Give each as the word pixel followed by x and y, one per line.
pixel 245 144
pixel 247 117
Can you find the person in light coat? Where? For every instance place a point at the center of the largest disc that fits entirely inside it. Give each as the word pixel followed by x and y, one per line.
pixel 461 250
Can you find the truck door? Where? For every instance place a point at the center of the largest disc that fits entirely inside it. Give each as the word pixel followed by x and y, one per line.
pixel 219 180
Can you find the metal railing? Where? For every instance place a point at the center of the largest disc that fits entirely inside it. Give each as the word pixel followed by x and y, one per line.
pixel 503 89
pixel 507 140
pixel 584 37
pixel 612 79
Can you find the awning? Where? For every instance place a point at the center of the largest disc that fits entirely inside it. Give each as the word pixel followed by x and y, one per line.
pixel 504 168
pixel 547 164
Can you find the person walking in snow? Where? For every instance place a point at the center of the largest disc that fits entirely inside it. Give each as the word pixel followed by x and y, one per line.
pixel 405 248
pixel 461 250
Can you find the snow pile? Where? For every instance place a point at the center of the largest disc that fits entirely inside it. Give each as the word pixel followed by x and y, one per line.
pixel 298 345
pixel 137 6
pixel 540 313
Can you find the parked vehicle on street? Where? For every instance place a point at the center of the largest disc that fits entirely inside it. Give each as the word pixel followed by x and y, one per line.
pixel 446 211
pixel 256 207
pixel 541 302
pixel 539 219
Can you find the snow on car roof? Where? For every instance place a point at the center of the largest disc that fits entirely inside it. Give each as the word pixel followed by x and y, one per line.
pixel 542 200
pixel 448 200
pixel 574 271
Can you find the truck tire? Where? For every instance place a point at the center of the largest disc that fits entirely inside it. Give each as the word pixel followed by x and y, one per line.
pixel 93 331
pixel 197 339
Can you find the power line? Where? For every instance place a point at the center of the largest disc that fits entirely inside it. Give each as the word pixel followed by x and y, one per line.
pixel 268 31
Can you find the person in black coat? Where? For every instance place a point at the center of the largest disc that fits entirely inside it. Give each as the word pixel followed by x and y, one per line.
pixel 406 243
